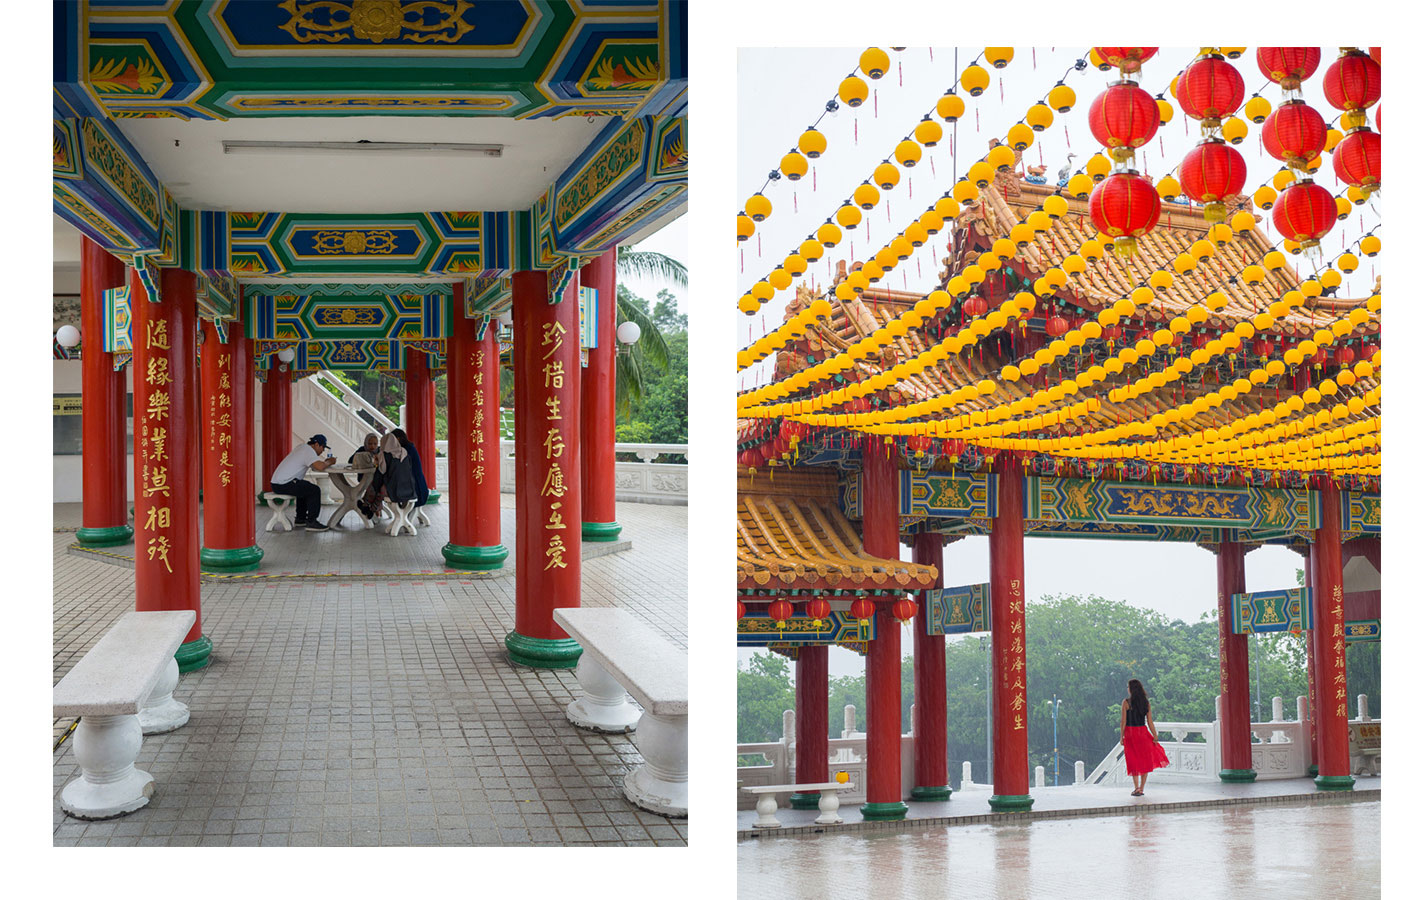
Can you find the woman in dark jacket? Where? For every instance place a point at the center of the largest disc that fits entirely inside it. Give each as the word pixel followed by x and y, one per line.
pixel 420 482
pixel 396 465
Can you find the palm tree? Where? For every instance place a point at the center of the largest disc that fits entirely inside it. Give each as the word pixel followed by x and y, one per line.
pixel 650 348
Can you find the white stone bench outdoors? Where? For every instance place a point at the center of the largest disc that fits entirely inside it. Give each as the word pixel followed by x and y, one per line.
pixel 827 805
pixel 121 690
pixel 280 507
pixel 620 653
pixel 405 514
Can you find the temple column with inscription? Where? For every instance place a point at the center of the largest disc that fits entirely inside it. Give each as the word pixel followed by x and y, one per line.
pixel 1310 652
pixel 598 407
pixel 932 757
pixel 1236 763
pixel 105 416
pixel 474 473
pixel 275 419
pixel 1009 647
pixel 812 722
pixel 1330 662
pixel 420 414
pixel 880 537
pixel 166 454
pixel 228 452
pixel 546 373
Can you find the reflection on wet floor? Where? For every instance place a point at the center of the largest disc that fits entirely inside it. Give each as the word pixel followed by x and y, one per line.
pixel 1328 850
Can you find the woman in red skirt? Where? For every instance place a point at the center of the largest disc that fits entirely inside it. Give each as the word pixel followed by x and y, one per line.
pixel 1139 740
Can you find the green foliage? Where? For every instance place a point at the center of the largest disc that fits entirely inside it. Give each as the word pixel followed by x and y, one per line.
pixel 764 691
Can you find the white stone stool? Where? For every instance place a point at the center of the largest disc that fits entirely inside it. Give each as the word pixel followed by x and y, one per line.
pixel 402 522
pixel 280 507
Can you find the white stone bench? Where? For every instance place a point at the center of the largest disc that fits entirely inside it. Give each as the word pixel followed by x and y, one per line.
pixel 280 505
pixel 827 805
pixel 121 690
pixel 620 653
pixel 405 515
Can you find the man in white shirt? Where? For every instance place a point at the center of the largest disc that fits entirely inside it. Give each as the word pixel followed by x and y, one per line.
pixel 289 479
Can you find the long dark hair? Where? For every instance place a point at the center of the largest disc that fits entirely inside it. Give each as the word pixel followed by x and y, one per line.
pixel 402 437
pixel 1139 701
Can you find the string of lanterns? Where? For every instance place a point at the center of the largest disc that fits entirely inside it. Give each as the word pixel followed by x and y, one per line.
pixel 792 329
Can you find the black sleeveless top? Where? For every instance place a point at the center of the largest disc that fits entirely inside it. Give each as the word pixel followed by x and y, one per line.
pixel 1136 718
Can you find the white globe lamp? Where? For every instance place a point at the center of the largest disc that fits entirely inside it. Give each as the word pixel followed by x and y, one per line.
pixel 67 336
pixel 628 332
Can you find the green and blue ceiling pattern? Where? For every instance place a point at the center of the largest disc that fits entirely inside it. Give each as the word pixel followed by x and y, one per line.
pixel 626 61
pixel 220 59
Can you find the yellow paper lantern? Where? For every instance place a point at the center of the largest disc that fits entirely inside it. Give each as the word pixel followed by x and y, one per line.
pixel 965 192
pixel 887 176
pixel 763 291
pixel 1370 245
pixel 812 143
pixel 1062 98
pixel 1265 196
pixel 829 235
pixel 866 196
pixel 875 62
pixel 793 165
pixel 745 227
pixel 758 207
pixel 848 216
pixel 1099 167
pixel 748 304
pixel 1019 137
pixel 981 173
pixel 951 106
pixel 779 278
pixel 853 91
pixel 1080 185
pixel 1257 109
pixel 974 80
pixel 929 132
pixel 1038 117
pixel 1234 130
pixel 907 153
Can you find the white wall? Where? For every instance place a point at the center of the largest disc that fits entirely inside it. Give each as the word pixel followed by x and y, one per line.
pixel 68 470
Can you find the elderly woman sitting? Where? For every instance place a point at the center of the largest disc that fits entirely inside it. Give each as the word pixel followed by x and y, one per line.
pixel 371 503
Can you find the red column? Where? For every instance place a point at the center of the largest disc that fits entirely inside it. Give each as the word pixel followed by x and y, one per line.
pixel 105 416
pixel 547 368
pixel 475 513
pixel 275 419
pixel 1010 645
pixel 812 687
pixel 166 455
pixel 1310 654
pixel 420 413
pixel 1330 663
pixel 598 409
pixel 880 536
pixel 932 757
pixel 1235 760
pixel 228 453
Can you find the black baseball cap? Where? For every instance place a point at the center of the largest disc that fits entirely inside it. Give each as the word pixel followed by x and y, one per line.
pixel 319 439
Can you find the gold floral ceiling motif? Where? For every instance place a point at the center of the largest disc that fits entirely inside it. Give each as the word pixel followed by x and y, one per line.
pixel 333 21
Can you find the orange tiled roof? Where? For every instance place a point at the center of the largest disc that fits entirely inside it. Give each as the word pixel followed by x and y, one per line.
pixel 806 542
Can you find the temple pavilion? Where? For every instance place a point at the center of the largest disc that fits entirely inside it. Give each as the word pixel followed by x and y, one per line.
pixel 1202 388
pixel 419 189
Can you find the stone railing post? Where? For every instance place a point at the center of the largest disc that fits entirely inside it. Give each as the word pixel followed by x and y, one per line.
pixel 850 724
pixel 789 725
pixel 966 778
pixel 1217 711
pixel 1277 709
pixel 1039 777
pixel 1363 708
pixel 1363 699
pixel 1079 773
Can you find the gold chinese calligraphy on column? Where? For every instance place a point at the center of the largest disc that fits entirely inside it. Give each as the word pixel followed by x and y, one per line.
pixel 219 434
pixel 553 445
pixel 475 437
pixel 152 444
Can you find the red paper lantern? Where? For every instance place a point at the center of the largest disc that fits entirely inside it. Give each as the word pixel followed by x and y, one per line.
pixel 1287 66
pixel 742 609
pixel 1127 59
pixel 954 448
pixel 1212 173
pixel 1304 213
pixel 861 608
pixel 1124 206
pixel 751 458
pixel 1057 326
pixel 780 610
pixel 905 609
pixel 818 609
pixel 1358 158
pixel 1320 357
pixel 1210 89
pixel 1263 348
pixel 918 443
pixel 1111 334
pixel 1368 352
pixel 1344 354
pixel 1123 117
pixel 792 430
pixel 976 306
pixel 1294 134
pixel 1353 82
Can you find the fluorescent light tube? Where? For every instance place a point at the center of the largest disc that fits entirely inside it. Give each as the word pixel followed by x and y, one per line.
pixel 311 148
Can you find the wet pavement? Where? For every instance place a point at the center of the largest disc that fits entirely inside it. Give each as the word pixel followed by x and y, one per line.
pixel 1293 851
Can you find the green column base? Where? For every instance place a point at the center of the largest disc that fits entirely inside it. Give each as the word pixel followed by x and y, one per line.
pixel 1237 775
pixel 194 655
pixel 924 792
pixel 434 496
pixel 601 532
pixel 1313 770
pixel 1011 802
pixel 476 559
pixel 261 498
pixel 1334 782
pixel 883 812
pixel 106 537
pixel 240 559
pixel 542 653
pixel 805 801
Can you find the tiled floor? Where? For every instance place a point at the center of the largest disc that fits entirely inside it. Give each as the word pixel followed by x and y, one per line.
pixel 1328 850
pixel 967 807
pixel 376 712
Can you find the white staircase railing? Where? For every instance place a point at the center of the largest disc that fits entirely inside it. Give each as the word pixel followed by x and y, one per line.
pixel 325 404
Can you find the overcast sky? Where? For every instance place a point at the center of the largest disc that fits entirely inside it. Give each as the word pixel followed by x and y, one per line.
pixel 781 91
